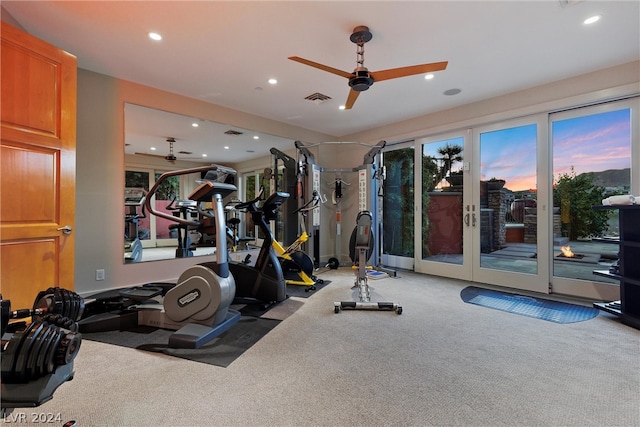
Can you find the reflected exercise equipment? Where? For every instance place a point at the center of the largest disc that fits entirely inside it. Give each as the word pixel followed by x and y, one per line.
pixel 133 198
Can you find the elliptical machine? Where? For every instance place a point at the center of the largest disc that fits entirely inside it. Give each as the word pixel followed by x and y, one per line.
pixel 197 307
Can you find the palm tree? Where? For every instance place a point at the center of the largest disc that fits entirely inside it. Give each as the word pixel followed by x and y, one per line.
pixel 450 154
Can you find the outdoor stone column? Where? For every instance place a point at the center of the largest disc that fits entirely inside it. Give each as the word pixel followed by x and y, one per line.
pixel 530 225
pixel 497 201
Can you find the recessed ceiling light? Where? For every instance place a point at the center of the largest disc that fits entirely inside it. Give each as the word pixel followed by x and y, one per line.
pixel 429 76
pixel 342 107
pixel 204 155
pixel 155 36
pixel 152 148
pixel 273 81
pixel 226 147
pixel 591 20
pixel 195 125
pixel 256 137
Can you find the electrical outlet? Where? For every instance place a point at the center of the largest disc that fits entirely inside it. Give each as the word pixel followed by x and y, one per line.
pixel 100 274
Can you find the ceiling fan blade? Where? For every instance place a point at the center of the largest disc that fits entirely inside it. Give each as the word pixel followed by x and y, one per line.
pixel 351 99
pixel 407 71
pixel 149 155
pixel 321 67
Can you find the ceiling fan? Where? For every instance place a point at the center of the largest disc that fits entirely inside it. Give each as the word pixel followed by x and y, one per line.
pixel 361 78
pixel 171 158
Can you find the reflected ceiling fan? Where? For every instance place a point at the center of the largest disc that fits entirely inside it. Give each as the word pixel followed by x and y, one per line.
pixel 361 78
pixel 171 157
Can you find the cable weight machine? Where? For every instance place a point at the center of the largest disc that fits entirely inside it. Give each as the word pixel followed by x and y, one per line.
pixel 369 187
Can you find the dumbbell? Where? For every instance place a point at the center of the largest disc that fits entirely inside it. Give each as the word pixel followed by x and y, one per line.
pixel 49 341
pixel 51 305
pixel 37 351
pixel 59 301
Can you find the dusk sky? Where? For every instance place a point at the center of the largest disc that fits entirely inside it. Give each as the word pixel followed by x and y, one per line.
pixel 589 144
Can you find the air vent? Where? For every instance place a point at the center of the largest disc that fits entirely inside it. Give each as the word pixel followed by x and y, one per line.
pixel 233 132
pixel 317 97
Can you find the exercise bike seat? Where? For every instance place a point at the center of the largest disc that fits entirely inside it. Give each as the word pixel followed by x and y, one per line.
pixel 206 190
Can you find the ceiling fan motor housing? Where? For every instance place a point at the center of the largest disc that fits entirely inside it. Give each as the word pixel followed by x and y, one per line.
pixel 361 80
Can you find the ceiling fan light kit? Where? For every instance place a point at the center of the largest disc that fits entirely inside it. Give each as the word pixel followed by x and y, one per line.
pixel 171 157
pixel 361 78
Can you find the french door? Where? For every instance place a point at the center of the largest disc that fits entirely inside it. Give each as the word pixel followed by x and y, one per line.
pixel 473 186
pixel 502 203
pixel 511 204
pixel 445 218
pixel 594 155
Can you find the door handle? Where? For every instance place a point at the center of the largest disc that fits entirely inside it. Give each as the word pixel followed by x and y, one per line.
pixel 473 220
pixel 466 220
pixel 66 230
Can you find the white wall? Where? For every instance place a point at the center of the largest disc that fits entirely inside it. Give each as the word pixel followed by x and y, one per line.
pixel 100 156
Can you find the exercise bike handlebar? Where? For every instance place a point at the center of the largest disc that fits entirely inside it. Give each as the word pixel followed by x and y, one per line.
pixel 164 177
pixel 251 203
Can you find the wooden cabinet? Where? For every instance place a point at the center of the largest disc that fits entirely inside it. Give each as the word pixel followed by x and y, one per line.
pixel 628 273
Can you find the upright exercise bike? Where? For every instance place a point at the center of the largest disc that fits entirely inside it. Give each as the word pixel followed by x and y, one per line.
pixel 363 243
pixel 197 306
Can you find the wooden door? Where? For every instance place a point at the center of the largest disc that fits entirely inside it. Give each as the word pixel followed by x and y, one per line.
pixel 37 175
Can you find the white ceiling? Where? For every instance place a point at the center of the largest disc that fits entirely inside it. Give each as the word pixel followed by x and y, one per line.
pixel 224 52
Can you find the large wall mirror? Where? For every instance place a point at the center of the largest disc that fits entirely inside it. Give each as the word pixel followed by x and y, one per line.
pixel 159 141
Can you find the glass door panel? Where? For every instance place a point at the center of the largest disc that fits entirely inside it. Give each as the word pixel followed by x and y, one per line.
pixel 592 160
pixel 444 239
pixel 398 208
pixel 510 222
pixel 508 199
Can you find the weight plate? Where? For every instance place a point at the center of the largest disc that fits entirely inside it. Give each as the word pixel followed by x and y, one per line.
pixel 31 371
pixel 66 304
pixel 42 361
pixel 76 305
pixel 81 308
pixel 45 337
pixel 20 337
pixel 25 350
pixel 8 356
pixel 68 348
pixel 49 358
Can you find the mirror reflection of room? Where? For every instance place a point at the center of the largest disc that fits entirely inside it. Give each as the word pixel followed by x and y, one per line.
pixel 159 141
